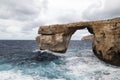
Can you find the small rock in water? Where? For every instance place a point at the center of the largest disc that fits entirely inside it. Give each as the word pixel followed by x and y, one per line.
pixel 106 73
pixel 44 56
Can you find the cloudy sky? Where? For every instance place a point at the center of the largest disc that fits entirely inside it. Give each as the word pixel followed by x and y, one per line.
pixel 20 19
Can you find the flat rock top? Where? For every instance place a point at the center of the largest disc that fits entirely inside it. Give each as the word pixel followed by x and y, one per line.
pixel 58 28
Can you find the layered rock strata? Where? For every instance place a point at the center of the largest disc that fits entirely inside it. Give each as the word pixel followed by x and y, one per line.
pixel 106 42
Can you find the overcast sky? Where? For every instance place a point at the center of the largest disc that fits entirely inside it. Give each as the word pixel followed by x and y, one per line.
pixel 20 19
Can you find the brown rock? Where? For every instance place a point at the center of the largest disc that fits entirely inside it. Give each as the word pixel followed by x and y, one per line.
pixel 106 42
pixel 88 37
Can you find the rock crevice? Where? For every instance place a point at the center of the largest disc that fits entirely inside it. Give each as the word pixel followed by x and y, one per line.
pixel 106 40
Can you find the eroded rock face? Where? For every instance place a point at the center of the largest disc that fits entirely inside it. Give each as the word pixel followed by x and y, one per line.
pixel 106 43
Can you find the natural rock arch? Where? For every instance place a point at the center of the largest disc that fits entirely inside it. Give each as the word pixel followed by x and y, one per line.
pixel 106 43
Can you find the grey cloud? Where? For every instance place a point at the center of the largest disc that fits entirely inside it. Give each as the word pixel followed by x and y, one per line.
pixel 19 10
pixel 21 14
pixel 69 16
pixel 45 6
pixel 31 25
pixel 108 9
pixel 25 14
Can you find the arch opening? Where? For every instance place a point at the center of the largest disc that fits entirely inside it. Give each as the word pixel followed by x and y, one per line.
pixel 79 34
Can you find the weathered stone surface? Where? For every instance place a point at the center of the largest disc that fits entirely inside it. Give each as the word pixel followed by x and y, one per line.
pixel 88 37
pixel 106 42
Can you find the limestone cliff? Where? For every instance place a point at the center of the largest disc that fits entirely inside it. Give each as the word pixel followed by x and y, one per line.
pixel 106 43
pixel 88 37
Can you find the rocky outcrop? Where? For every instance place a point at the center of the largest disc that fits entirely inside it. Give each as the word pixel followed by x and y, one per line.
pixel 88 37
pixel 106 43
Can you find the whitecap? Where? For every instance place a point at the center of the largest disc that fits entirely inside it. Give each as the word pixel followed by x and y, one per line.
pixel 90 68
pixel 18 75
pixel 53 53
pixel 36 50
pixel 11 75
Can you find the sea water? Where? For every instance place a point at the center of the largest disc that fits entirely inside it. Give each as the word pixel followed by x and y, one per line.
pixel 22 60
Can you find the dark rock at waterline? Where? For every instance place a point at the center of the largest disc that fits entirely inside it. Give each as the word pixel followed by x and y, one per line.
pixel 45 56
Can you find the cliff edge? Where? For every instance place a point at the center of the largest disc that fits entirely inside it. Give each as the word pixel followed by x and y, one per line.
pixel 106 41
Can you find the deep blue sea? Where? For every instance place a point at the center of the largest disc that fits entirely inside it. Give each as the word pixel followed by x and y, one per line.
pixel 22 60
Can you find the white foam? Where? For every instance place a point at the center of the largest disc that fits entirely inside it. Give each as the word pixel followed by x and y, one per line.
pixel 13 75
pixel 90 68
pixel 36 50
pixel 10 75
pixel 54 53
